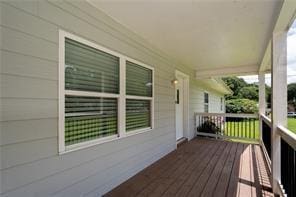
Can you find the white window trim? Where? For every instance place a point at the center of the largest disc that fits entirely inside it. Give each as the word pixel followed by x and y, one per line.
pixel 121 97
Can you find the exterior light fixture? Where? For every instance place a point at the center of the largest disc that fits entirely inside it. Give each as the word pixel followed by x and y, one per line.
pixel 175 81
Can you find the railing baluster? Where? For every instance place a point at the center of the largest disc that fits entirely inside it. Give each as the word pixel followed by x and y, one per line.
pixel 254 128
pixel 249 128
pixel 241 127
pixel 235 125
pixel 232 123
pixel 224 125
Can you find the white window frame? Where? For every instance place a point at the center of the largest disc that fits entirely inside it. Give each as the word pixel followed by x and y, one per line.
pixel 121 96
pixel 151 99
pixel 208 103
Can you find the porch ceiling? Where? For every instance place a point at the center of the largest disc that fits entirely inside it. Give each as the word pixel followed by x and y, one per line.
pixel 202 34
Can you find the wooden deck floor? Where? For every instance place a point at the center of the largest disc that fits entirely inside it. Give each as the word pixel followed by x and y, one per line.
pixel 203 167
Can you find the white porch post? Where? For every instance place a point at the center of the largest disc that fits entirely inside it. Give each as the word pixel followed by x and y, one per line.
pixel 262 100
pixel 279 101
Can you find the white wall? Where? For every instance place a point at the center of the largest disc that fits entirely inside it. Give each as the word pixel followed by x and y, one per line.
pixel 30 164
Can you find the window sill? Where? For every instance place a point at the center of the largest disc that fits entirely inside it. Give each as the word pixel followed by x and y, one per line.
pixel 84 145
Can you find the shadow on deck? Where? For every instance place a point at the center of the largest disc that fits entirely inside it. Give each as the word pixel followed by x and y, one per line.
pixel 203 167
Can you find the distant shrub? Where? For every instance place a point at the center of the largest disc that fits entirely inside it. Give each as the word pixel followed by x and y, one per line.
pixel 241 106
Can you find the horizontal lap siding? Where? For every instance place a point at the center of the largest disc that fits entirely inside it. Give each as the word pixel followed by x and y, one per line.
pixel 30 164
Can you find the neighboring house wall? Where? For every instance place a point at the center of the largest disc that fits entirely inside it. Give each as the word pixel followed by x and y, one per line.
pixel 30 164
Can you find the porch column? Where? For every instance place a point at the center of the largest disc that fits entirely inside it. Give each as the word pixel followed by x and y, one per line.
pixel 279 101
pixel 262 100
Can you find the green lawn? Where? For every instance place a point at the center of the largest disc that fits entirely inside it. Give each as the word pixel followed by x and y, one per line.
pixel 292 124
pixel 248 130
pixel 245 129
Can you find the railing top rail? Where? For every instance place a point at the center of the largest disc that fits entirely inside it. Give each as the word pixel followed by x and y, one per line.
pixel 288 136
pixel 266 119
pixel 227 115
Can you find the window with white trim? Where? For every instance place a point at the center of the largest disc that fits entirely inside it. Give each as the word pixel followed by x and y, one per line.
pixel 103 95
pixel 139 96
pixel 206 102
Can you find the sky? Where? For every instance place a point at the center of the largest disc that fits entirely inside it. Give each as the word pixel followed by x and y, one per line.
pixel 291 60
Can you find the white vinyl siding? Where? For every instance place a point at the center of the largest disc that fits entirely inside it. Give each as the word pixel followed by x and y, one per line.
pixel 91 107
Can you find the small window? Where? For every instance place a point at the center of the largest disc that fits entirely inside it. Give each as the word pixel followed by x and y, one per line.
pixel 139 96
pixel 221 103
pixel 138 80
pixel 206 102
pixel 94 105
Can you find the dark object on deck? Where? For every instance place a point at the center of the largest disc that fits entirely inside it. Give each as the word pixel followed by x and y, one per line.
pixel 208 127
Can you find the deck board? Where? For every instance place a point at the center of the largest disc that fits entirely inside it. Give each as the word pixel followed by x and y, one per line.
pixel 203 167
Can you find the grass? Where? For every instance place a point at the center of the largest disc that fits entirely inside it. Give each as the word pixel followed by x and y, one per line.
pixel 292 124
pixel 248 130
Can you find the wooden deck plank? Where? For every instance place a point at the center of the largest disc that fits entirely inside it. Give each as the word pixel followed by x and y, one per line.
pixel 189 183
pixel 203 167
pixel 135 184
pixel 215 175
pixel 244 186
pixel 256 187
pixel 157 187
pixel 182 172
pixel 221 188
pixel 202 181
pixel 234 176
pixel 263 173
pixel 192 172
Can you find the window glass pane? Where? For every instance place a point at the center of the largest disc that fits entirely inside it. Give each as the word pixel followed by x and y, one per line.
pixel 137 114
pixel 89 69
pixel 138 80
pixel 206 106
pixel 89 118
pixel 206 98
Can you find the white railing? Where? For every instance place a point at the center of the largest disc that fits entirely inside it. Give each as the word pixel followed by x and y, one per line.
pixel 227 125
pixel 287 180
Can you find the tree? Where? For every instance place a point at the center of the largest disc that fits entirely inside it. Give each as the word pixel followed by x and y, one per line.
pixel 249 92
pixel 292 92
pixel 235 84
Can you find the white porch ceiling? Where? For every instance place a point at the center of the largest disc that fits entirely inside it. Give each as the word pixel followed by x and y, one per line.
pixel 202 34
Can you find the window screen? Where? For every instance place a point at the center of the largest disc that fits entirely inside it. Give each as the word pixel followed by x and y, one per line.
pixel 137 114
pixel 138 80
pixel 206 102
pixel 89 70
pixel 139 85
pixel 88 118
